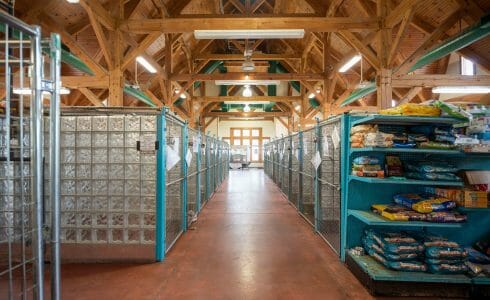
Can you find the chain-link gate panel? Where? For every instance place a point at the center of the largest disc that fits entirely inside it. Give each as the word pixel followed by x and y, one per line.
pixel 192 175
pixel 284 165
pixel 295 164
pixel 307 205
pixel 329 180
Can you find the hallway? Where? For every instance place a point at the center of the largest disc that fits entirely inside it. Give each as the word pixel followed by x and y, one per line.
pixel 248 243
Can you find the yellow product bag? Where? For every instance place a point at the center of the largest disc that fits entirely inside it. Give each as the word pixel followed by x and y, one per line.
pixel 412 109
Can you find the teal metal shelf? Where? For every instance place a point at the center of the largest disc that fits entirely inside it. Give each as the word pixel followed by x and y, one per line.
pixel 378 272
pixel 405 181
pixel 373 219
pixel 467 209
pixel 403 120
pixel 405 150
pixel 481 280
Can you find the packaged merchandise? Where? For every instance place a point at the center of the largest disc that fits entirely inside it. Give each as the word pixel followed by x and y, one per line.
pixel 395 212
pixel 446 217
pixel 453 111
pixel 446 252
pixel 393 166
pixel 376 174
pixel 437 261
pixel 436 145
pixel 363 129
pixel 395 242
pixel 417 138
pixel 409 266
pixel 371 244
pixel 430 167
pixel 366 168
pixel 483 245
pixel 366 160
pixel 445 139
pixel 477 257
pixel 459 268
pixel 462 197
pixel 424 203
pixel 357 138
pixel 432 176
pixel 412 109
pixel 378 139
pixel 433 240
pixel 404 145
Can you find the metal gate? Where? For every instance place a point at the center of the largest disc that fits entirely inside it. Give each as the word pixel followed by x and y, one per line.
pixel 307 198
pixel 29 174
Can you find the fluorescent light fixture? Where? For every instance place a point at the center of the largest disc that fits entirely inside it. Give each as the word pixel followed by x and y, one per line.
pixel 354 60
pixel 246 108
pixel 142 61
pixel 298 107
pixel 461 90
pixel 249 34
pixel 311 95
pixel 28 91
pixel 247 102
pixel 247 92
pixel 247 82
pixel 72 1
pixel 183 96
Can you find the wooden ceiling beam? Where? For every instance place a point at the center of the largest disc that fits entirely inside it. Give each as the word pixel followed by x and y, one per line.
pixel 91 96
pixel 176 7
pixel 252 76
pixel 279 99
pixel 240 57
pixel 141 48
pixel 99 33
pixel 102 14
pixel 75 82
pixel 400 11
pixel 249 114
pixel 410 95
pixel 362 47
pixel 189 24
pixel 402 29
pixel 432 80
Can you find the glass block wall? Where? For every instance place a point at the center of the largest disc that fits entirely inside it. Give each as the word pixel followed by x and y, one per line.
pixel 107 185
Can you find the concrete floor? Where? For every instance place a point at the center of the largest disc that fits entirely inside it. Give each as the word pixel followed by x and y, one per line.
pixel 248 243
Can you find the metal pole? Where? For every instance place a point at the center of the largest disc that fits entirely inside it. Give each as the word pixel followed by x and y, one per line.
pixel 185 167
pixel 300 173
pixel 316 179
pixel 54 165
pixel 160 197
pixel 198 177
pixel 37 160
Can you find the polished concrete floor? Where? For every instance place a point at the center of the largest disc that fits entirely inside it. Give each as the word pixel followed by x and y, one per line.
pixel 248 243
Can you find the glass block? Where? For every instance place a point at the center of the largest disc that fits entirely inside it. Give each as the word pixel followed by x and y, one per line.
pixel 116 171
pixel 99 123
pixel 99 155
pixel 68 219
pixel 99 139
pixel 84 139
pixel 100 187
pixel 117 219
pixel 101 203
pixel 149 235
pixel 133 203
pixel 132 155
pixel 148 187
pixel 84 171
pixel 148 158
pixel 70 235
pixel 117 203
pixel 85 235
pixel 101 219
pixel 116 139
pixel 84 123
pixel 84 203
pixel 116 155
pixel 117 235
pixel 131 138
pixel 148 171
pixel 67 171
pixel 100 171
pixel 132 187
pixel 116 123
pixel 101 235
pixel 116 187
pixel 84 155
pixel 67 139
pixel 67 155
pixel 149 204
pixel 84 187
pixel 68 124
pixel 85 219
pixel 68 187
pixel 149 219
pixel 148 123
pixel 134 220
pixel 134 236
pixel 132 171
pixel 132 123
pixel 67 203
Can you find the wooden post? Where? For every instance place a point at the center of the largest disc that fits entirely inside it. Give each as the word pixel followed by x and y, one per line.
pixel 385 92
pixel 116 76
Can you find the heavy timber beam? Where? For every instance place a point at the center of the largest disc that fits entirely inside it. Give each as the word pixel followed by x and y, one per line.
pixel 75 82
pixel 252 76
pixel 316 24
pixel 408 81
pixel 246 115
pixel 240 57
pixel 248 99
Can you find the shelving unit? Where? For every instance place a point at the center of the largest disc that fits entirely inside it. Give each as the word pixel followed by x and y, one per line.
pixel 359 193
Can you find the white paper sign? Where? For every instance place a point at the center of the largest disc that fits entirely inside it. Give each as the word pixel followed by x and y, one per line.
pixel 316 160
pixel 176 144
pixel 336 137
pixel 326 146
pixel 172 158
pixel 195 144
pixel 188 157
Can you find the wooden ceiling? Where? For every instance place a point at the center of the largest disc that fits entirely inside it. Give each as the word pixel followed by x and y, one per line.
pixel 109 34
